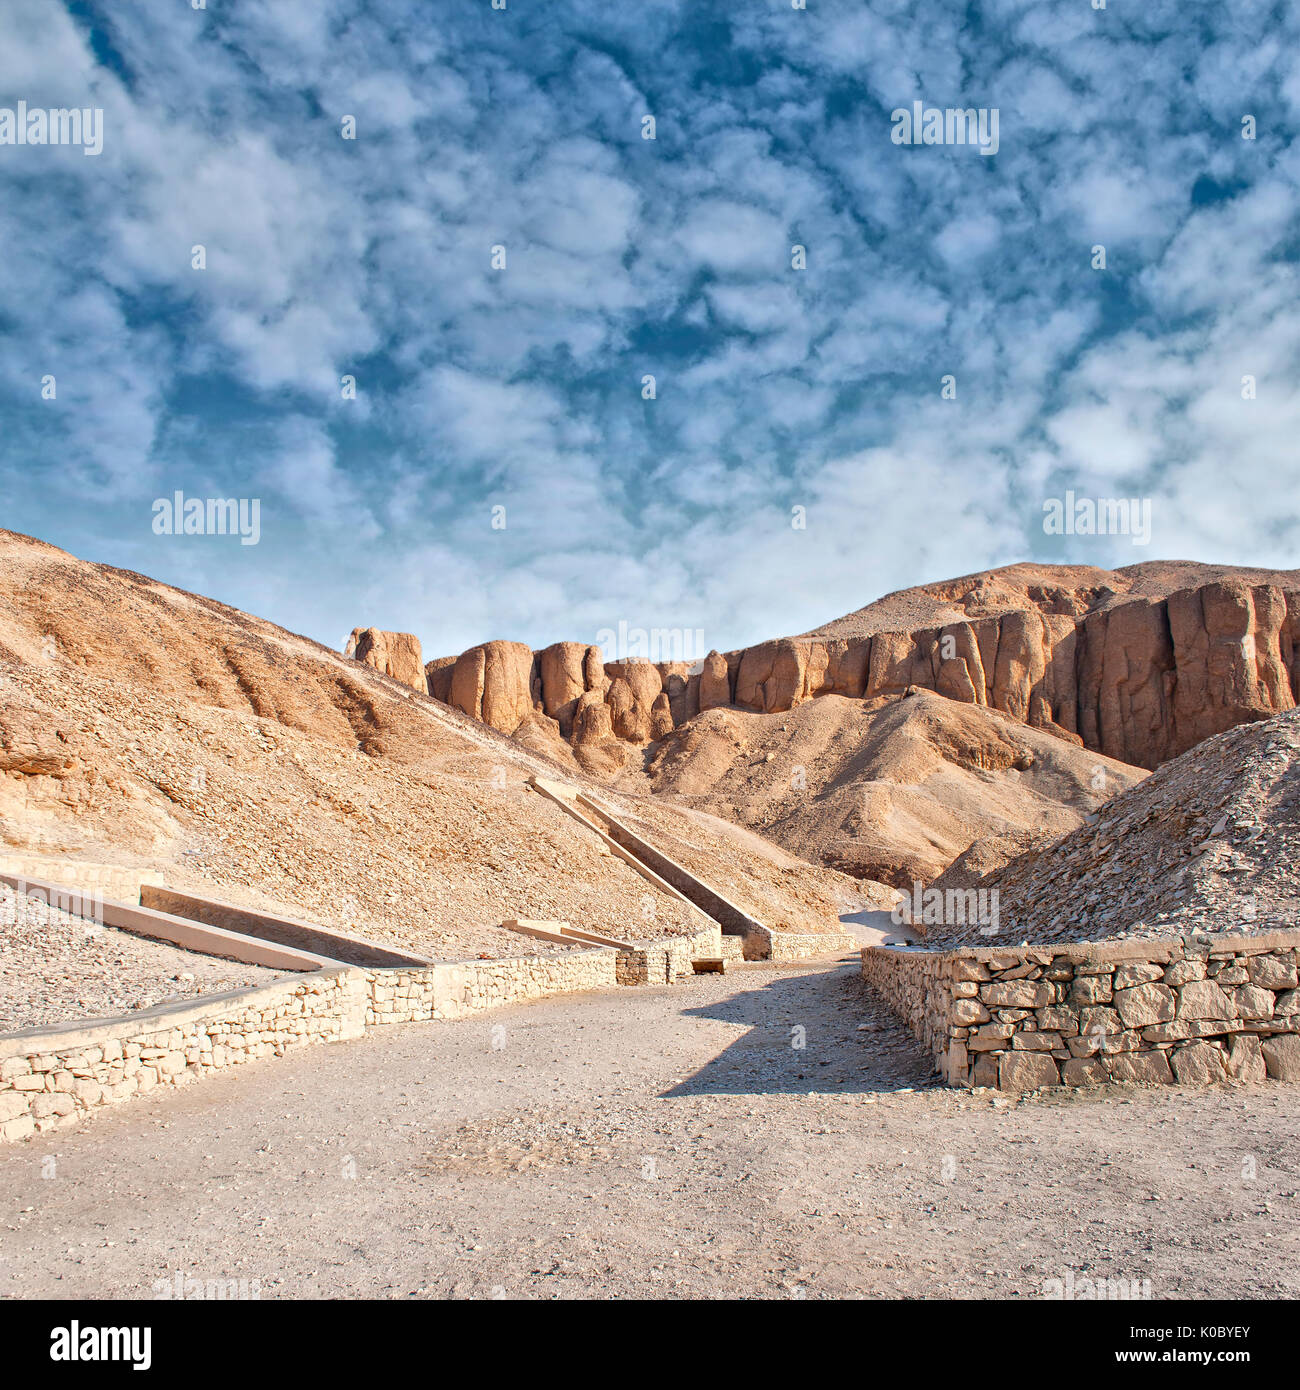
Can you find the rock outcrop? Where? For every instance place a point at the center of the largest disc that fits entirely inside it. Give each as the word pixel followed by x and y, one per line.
pixel 150 729
pixel 1107 662
pixel 395 654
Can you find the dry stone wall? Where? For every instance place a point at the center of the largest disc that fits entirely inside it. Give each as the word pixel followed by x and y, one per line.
pixel 452 991
pixel 114 881
pixel 668 961
pixel 54 1076
pixel 1190 1011
pixel 792 946
pixel 51 1077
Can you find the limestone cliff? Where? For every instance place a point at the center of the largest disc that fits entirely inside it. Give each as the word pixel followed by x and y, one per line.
pixel 1103 659
pixel 395 654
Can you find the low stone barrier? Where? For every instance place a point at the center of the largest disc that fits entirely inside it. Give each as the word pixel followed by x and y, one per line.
pixel 791 946
pixel 657 867
pixel 54 1076
pixel 1188 1011
pixel 756 937
pixel 110 880
pixel 164 926
pixel 452 991
pixel 669 960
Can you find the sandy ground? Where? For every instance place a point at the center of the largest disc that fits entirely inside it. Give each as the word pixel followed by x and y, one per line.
pixel 56 968
pixel 665 1142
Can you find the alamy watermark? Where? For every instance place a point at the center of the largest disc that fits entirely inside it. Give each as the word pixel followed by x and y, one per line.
pixel 1070 1289
pixel 626 643
pixel 1098 516
pixel 179 515
pixel 951 125
pixel 29 905
pixel 82 126
pixel 186 1286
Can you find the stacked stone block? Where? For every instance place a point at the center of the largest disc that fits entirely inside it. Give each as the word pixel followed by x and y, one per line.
pixel 1190 1011
pixel 53 1076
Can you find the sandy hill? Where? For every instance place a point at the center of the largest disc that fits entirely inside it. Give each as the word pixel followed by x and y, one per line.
pixel 892 793
pixel 1209 842
pixel 144 725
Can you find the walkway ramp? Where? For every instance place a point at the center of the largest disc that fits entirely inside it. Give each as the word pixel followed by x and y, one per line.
pixel 657 867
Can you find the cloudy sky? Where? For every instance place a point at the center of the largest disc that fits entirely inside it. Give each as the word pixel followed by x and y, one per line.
pixel 521 387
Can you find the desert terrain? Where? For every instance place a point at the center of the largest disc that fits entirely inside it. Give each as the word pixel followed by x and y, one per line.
pixel 770 1128
pixel 660 1143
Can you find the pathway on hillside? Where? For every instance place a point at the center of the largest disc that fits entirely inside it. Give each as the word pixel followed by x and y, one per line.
pixel 666 1141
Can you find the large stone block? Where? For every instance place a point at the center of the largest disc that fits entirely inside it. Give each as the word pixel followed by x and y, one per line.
pixel 1204 999
pixel 1146 1068
pixel 1246 1059
pixel 1091 989
pixel 1026 1071
pixel 1198 1064
pixel 1183 972
pixel 1017 994
pixel 967 1011
pixel 1137 973
pixel 1083 1071
pixel 12 1104
pixel 1272 971
pixel 1282 1057
pixel 1145 1004
pixel 1253 1002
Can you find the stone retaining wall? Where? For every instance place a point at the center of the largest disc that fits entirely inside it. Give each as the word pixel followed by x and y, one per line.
pixel 734 921
pixel 452 991
pixel 112 880
pixel 1190 1011
pixel 51 1077
pixel 347 948
pixel 669 960
pixel 790 946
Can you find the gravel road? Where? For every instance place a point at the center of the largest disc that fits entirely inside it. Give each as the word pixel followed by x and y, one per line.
pixel 666 1142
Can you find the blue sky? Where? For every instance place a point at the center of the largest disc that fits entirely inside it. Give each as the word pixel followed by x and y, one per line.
pixel 522 388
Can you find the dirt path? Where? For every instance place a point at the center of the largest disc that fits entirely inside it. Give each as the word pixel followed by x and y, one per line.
pixel 656 1142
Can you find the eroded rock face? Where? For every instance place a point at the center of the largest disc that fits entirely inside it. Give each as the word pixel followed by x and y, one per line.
pixel 562 669
pixel 494 683
pixel 438 673
pixel 396 654
pixel 715 682
pixel 1141 680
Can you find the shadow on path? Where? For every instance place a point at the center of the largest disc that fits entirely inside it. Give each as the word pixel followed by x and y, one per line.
pixel 875 927
pixel 805 1034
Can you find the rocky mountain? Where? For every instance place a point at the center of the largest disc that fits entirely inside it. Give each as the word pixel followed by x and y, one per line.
pixel 1135 665
pixel 892 790
pixel 1139 664
pixel 1210 842
pixel 142 725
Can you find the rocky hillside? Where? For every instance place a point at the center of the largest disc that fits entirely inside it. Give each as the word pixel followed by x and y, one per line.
pixel 1126 668
pixel 1139 664
pixel 891 791
pixel 1209 842
pixel 143 725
